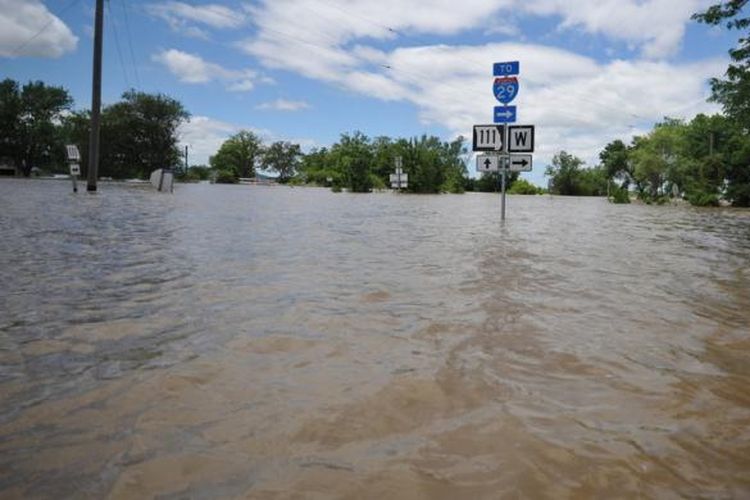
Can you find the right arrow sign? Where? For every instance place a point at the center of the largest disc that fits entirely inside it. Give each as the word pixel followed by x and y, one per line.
pixel 520 163
pixel 521 139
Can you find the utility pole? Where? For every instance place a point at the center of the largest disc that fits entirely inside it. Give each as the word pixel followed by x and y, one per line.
pixel 186 159
pixel 96 99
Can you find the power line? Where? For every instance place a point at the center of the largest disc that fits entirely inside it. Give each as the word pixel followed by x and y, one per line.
pixel 117 44
pixel 130 42
pixel 16 51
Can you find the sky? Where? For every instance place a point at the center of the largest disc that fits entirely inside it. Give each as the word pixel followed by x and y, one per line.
pixel 306 71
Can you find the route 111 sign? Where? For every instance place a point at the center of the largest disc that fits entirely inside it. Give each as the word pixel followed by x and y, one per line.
pixel 488 137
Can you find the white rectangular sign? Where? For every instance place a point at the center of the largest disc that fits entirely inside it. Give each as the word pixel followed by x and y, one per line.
pixel 488 137
pixel 396 178
pixel 72 152
pixel 521 138
pixel 520 163
pixel 75 169
pixel 488 163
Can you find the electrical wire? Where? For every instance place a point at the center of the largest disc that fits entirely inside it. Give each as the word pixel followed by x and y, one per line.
pixel 55 16
pixel 117 44
pixel 129 36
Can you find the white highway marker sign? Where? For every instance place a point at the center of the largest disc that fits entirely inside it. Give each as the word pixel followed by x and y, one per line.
pixel 521 139
pixel 488 137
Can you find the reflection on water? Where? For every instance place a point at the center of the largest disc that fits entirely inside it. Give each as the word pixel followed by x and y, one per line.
pixel 236 341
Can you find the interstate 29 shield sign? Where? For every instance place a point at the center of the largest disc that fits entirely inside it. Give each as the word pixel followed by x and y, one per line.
pixel 505 89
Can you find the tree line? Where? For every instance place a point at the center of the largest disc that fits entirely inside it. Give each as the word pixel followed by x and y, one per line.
pixel 138 133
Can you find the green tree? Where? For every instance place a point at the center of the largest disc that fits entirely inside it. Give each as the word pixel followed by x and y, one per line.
pixel 29 124
pixel 138 135
pixel 239 154
pixel 616 162
pixel 565 174
pixel 733 92
pixel 352 157
pixel 282 158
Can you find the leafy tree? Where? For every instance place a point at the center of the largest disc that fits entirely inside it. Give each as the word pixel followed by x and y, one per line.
pixel 29 124
pixel 282 158
pixel 616 162
pixel 565 174
pixel 239 154
pixel 733 92
pixel 138 135
pixel 352 157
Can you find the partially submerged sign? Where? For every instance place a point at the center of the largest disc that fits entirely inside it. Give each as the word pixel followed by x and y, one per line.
pixel 488 138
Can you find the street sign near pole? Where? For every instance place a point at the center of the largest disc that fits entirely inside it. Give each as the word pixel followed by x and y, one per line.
pixel 520 163
pixel 488 137
pixel 506 68
pixel 504 114
pixel 521 139
pixel 488 163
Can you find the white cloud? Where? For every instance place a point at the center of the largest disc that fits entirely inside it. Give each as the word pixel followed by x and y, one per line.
pixel 182 17
pixel 576 102
pixel 284 105
pixel 27 28
pixel 658 26
pixel 190 68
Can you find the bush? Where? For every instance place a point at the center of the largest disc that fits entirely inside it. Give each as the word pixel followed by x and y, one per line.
pixel 619 195
pixel 703 199
pixel 522 186
pixel 226 177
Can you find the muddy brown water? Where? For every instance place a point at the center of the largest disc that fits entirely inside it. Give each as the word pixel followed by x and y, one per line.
pixel 272 342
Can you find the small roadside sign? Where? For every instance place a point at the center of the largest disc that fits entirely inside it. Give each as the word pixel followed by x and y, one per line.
pixel 504 114
pixel 71 151
pixel 488 163
pixel 521 139
pixel 506 68
pixel 488 137
pixel 520 163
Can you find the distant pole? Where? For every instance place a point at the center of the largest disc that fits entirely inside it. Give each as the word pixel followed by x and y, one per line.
pixel 186 159
pixel 96 99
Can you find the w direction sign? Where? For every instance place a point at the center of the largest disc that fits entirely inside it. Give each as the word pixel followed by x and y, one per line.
pixel 488 137
pixel 521 139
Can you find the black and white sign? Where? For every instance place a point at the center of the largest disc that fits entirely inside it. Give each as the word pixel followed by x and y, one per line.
pixel 520 163
pixel 72 153
pixel 488 163
pixel 75 169
pixel 521 139
pixel 488 137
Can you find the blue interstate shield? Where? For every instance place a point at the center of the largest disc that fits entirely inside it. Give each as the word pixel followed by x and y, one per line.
pixel 505 89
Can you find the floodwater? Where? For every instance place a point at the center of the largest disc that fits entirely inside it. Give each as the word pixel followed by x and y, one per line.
pixel 274 342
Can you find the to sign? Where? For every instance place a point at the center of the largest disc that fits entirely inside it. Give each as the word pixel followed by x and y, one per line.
pixel 506 68
pixel 521 139
pixel 488 137
pixel 75 169
pixel 505 89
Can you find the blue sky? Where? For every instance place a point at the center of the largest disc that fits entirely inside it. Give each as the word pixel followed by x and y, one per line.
pixel 308 70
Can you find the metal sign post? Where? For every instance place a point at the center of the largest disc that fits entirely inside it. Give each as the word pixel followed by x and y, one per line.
pixel 74 157
pixel 500 142
pixel 399 180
